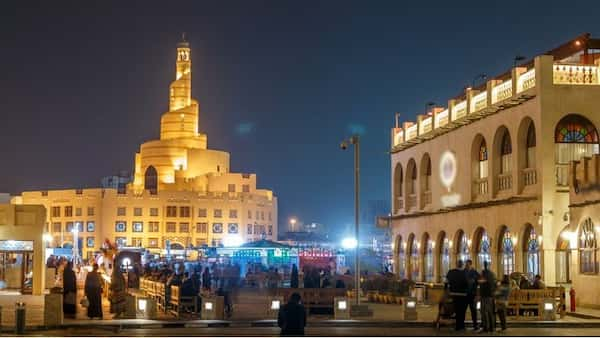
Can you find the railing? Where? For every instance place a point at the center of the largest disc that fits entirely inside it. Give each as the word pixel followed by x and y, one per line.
pixel 411 132
pixel 562 175
pixel 426 125
pixel 575 74
pixel 529 176
pixel 411 201
pixel 459 110
pixel 398 136
pixel 481 186
pixel 502 91
pixel 426 196
pixel 478 102
pixel 399 205
pixel 505 181
pixel 441 119
pixel 526 80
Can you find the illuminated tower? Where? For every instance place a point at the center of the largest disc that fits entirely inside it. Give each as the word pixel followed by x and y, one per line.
pixel 182 118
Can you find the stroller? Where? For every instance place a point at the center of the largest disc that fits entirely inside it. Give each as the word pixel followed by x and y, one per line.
pixel 446 312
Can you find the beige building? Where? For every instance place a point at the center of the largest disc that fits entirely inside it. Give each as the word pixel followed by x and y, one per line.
pixel 22 265
pixel 579 240
pixel 487 176
pixel 183 193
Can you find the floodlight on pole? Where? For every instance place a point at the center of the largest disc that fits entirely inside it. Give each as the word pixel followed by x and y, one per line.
pixel 349 243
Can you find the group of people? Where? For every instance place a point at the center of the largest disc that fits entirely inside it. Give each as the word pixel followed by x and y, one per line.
pixel 465 284
pixel 92 291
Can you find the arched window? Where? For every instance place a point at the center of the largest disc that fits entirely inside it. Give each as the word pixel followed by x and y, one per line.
pixel 414 260
pixel 588 260
pixel 483 254
pixel 427 176
pixel 483 160
pixel 413 180
pixel 530 157
pixel 398 179
pixel 532 252
pixel 507 253
pixel 428 258
pixel 151 180
pixel 563 257
pixel 506 154
pixel 575 137
pixel 444 258
pixel 401 259
pixel 463 247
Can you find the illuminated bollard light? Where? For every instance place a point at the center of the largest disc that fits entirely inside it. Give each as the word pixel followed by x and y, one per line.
pixel 213 308
pixel 146 308
pixel 409 307
pixel 549 309
pixel 274 304
pixel 341 308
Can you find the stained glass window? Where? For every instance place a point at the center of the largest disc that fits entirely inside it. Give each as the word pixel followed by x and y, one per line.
pixel 533 255
pixel 428 263
pixel 463 248
pixel 575 129
pixel 414 260
pixel 508 253
pixel 483 154
pixel 444 259
pixel 588 248
pixel 401 260
pixel 484 249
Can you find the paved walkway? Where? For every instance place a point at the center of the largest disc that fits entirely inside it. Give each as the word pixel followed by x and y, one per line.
pixel 249 306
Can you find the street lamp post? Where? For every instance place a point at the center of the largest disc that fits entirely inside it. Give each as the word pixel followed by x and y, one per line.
pixel 344 145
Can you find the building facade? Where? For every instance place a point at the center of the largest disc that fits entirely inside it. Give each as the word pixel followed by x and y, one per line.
pixel 487 177
pixel 183 194
pixel 578 241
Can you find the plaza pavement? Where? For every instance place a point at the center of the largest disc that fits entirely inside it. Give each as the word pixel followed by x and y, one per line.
pixel 250 311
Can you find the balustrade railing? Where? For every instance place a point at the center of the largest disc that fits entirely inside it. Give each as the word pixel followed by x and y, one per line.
pixel 502 91
pixel 526 80
pixel 575 74
pixel 504 182
pixel 479 102
pixel 480 186
pixel 529 176
pixel 426 196
pixel 459 110
pixel 411 201
pixel 441 119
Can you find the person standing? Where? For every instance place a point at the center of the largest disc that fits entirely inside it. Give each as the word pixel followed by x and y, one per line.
pixel 502 295
pixel 118 293
pixel 292 317
pixel 487 289
pixel 93 292
pixel 472 278
pixel 457 283
pixel 69 291
pixel 294 277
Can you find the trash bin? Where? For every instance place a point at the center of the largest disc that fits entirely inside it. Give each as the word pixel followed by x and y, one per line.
pixel 19 318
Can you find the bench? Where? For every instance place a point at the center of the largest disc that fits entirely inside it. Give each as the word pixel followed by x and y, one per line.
pixel 182 304
pixel 521 302
pixel 313 298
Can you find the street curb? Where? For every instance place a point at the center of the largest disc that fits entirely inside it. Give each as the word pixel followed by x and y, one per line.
pixel 582 315
pixel 273 323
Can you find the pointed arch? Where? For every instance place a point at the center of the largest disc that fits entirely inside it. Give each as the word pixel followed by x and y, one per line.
pixel 398 182
pixel 151 180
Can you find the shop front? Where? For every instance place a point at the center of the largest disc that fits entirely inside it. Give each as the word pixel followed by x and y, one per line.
pixel 22 248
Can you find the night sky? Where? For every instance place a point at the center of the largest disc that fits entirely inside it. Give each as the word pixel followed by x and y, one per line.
pixel 280 83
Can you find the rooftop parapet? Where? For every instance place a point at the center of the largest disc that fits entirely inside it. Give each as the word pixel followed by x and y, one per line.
pixel 573 65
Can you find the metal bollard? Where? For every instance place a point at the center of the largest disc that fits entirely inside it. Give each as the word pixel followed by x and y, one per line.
pixel 19 318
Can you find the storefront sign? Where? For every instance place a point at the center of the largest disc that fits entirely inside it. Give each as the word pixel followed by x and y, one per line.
pixel 16 245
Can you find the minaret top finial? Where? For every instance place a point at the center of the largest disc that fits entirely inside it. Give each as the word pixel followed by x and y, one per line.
pixel 183 43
